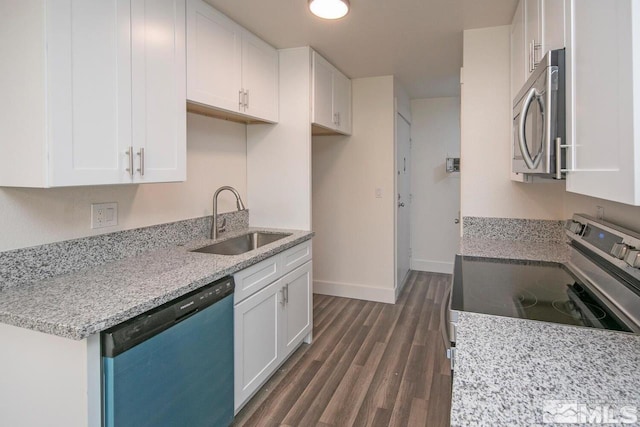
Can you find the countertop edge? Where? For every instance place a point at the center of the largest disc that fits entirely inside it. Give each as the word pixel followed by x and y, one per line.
pixel 76 333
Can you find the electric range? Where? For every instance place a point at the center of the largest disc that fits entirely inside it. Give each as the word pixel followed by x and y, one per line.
pixel 598 287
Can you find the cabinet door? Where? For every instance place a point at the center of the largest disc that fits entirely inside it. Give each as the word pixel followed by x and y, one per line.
pixel 519 64
pixel 298 307
pixel 601 124
pixel 89 91
pixel 259 78
pixel 322 93
pixel 552 25
pixel 341 102
pixel 159 89
pixel 214 61
pixel 533 33
pixel 257 340
pixel 518 52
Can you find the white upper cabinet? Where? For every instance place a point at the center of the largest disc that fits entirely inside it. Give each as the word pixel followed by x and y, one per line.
pixel 552 25
pixel 342 102
pixel 519 60
pixel 533 33
pixel 259 78
pixel 330 98
pixel 159 92
pixel 539 26
pixel 214 57
pixel 603 119
pixel 100 81
pixel 228 68
pixel 322 92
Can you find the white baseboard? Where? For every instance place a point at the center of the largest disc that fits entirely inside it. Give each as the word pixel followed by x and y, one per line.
pixel 401 284
pixel 350 290
pixel 432 266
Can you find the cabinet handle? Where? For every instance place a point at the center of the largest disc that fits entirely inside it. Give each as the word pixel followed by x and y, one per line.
pixel 282 301
pixel 286 293
pixel 246 99
pixel 141 168
pixel 536 48
pixel 558 158
pixel 240 99
pixel 530 56
pixel 129 153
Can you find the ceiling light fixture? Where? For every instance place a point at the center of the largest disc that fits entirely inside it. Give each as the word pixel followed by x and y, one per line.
pixel 329 9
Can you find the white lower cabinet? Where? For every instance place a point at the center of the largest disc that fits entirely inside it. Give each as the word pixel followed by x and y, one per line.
pixel 257 337
pixel 296 322
pixel 271 322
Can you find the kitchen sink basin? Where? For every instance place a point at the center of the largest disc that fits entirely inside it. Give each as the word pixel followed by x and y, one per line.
pixel 241 244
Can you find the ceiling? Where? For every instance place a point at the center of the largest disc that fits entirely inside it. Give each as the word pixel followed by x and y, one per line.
pixel 418 41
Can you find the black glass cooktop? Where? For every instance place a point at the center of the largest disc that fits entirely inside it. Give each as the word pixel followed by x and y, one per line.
pixel 536 291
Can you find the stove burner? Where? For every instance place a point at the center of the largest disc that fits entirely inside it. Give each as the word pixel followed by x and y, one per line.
pixel 568 308
pixel 523 299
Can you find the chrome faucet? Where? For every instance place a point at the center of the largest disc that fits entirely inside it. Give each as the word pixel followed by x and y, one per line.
pixel 214 224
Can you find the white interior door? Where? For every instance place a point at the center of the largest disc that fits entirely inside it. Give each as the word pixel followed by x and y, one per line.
pixel 403 198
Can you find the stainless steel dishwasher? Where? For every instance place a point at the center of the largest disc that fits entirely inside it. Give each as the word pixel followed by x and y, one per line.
pixel 172 366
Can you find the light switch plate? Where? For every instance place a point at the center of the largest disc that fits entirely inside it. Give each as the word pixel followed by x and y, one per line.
pixel 104 214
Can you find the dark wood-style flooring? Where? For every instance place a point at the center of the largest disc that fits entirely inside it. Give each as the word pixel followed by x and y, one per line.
pixel 370 364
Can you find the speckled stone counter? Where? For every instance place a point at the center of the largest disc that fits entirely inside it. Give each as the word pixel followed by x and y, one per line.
pixel 512 238
pixel 551 251
pixel 27 265
pixel 507 370
pixel 85 302
pixel 530 230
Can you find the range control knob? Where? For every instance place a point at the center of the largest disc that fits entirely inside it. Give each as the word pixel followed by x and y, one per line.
pixel 574 226
pixel 633 258
pixel 619 250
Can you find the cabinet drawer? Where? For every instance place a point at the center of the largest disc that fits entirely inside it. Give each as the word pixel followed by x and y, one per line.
pixel 296 256
pixel 256 277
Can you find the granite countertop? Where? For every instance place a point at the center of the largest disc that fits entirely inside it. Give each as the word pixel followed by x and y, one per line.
pixel 510 372
pixel 83 303
pixel 550 251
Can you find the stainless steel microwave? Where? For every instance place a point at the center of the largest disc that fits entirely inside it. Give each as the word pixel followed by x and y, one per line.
pixel 539 120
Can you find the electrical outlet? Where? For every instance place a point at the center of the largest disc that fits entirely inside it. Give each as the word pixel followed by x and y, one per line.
pixel 378 193
pixel 104 214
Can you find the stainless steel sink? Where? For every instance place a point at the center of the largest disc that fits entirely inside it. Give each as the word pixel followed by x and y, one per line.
pixel 241 244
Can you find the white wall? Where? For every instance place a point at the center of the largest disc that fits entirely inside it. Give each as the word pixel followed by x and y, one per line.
pixel 216 156
pixel 485 185
pixel 486 189
pixel 435 134
pixel 354 243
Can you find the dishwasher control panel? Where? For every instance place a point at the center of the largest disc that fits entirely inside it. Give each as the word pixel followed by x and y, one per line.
pixel 132 332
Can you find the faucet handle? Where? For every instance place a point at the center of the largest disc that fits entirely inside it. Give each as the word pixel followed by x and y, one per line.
pixel 222 226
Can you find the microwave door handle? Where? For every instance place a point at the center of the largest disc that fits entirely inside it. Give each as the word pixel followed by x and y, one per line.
pixel 524 150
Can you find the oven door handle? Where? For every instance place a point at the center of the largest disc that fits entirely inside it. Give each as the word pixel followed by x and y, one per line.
pixel 445 321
